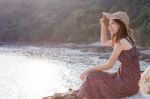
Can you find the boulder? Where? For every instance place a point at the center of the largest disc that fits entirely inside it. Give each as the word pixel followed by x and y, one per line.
pixel 72 95
pixel 145 81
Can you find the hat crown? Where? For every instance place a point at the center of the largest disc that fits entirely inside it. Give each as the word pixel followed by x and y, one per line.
pixel 122 16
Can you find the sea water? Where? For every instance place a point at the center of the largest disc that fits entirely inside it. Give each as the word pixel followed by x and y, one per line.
pixel 28 72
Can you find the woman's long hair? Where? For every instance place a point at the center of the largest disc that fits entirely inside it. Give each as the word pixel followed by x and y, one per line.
pixel 123 32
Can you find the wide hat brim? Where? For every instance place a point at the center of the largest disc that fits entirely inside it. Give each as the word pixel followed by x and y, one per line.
pixel 109 16
pixel 119 15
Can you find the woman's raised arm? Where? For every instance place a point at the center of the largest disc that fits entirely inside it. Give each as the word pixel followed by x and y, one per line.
pixel 104 29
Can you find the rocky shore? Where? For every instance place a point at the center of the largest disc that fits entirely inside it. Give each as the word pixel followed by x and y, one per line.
pixel 105 52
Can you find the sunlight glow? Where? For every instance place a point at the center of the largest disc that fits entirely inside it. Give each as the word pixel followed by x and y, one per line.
pixel 35 77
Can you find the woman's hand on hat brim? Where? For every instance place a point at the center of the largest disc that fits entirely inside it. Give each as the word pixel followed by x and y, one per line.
pixel 104 23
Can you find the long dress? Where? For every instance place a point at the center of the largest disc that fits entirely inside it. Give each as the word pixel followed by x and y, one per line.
pixel 125 82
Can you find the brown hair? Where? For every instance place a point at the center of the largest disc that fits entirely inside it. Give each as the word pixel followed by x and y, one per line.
pixel 123 32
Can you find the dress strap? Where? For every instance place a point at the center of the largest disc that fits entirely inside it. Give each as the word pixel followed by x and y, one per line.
pixel 130 41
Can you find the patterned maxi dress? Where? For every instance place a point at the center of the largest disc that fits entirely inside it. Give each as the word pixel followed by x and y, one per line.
pixel 103 85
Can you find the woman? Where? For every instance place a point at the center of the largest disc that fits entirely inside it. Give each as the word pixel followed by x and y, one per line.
pixel 99 84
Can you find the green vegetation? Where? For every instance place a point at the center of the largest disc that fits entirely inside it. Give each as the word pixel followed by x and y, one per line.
pixel 62 21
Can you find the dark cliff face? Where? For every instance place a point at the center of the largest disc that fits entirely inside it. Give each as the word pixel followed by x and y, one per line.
pixel 67 20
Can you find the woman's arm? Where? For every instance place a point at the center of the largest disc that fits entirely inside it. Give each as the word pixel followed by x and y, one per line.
pixel 113 58
pixel 104 29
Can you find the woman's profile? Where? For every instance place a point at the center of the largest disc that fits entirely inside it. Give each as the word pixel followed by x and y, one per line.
pixel 99 84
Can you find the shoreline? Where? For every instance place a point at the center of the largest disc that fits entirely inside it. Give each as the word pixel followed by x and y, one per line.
pixel 103 52
pixel 90 47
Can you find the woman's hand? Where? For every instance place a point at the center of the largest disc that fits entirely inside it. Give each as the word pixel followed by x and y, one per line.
pixel 104 23
pixel 85 73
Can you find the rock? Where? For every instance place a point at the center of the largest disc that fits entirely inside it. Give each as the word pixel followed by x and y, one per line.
pixel 72 95
pixel 145 54
pixel 68 95
pixel 145 57
pixel 47 97
pixel 145 81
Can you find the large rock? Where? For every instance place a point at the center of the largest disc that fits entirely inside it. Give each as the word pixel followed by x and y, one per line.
pixel 68 95
pixel 145 81
pixel 72 95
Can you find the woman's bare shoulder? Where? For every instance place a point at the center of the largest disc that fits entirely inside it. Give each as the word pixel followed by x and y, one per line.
pixel 122 44
pixel 123 41
pixel 125 44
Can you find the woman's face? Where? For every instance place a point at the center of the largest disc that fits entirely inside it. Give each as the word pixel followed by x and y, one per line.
pixel 113 27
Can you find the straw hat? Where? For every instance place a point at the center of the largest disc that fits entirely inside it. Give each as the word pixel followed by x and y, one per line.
pixel 122 16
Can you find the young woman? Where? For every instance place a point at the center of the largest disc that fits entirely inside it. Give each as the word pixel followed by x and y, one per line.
pixel 99 84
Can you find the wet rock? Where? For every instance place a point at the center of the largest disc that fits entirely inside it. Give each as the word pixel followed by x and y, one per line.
pixel 145 55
